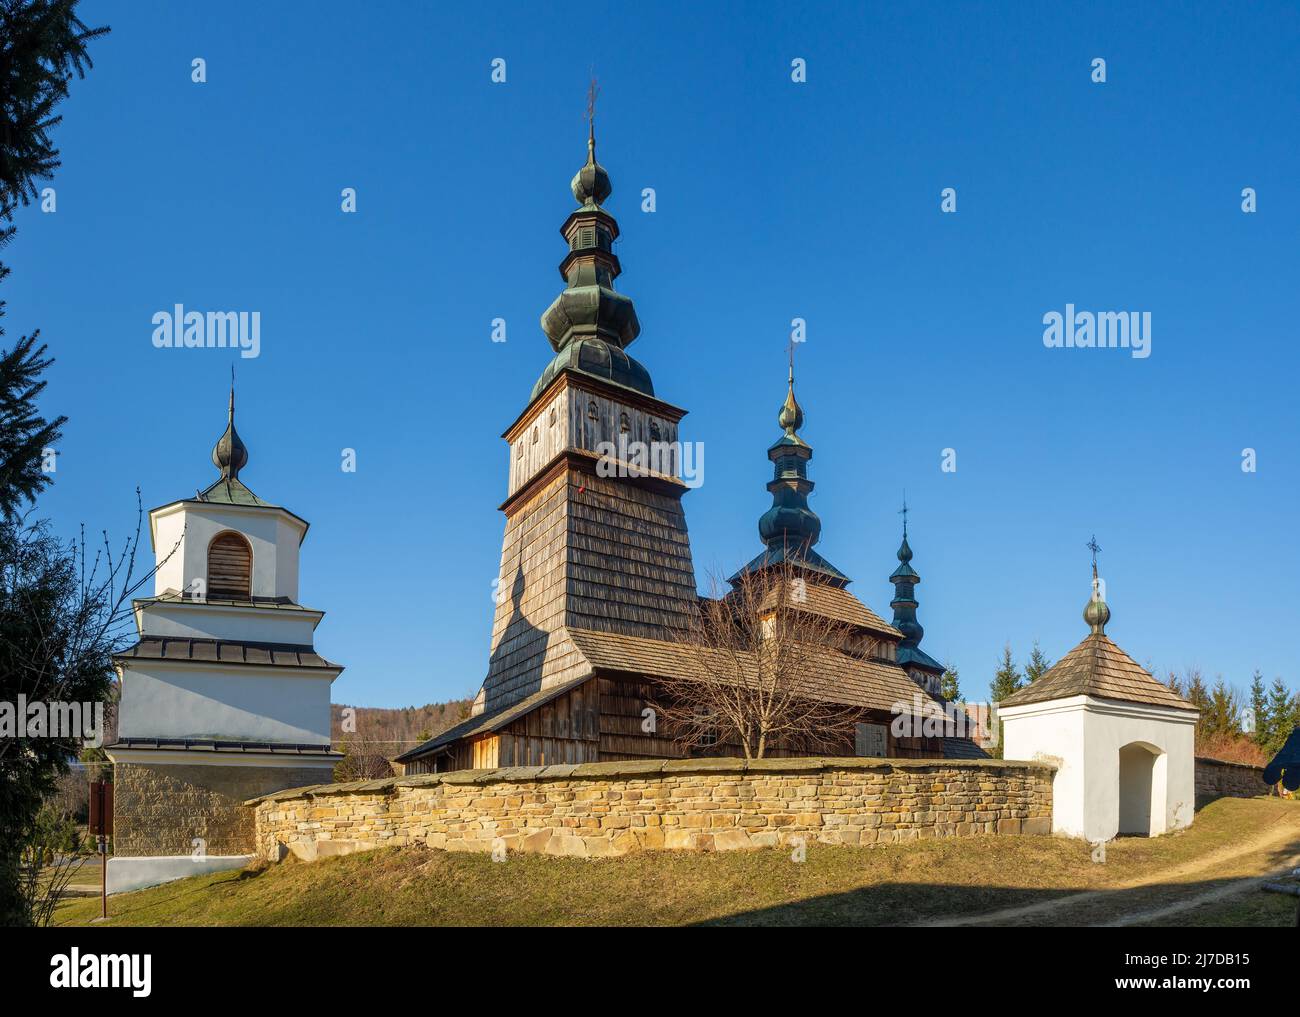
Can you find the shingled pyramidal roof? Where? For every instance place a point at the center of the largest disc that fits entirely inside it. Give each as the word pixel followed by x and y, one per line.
pixel 1098 668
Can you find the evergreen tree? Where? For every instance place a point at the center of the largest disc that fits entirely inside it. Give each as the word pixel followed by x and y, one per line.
pixel 950 684
pixel 1006 680
pixel 25 434
pixel 1037 666
pixel 42 45
pixel 59 616
pixel 1259 709
pixel 1195 691
pixel 1222 715
pixel 1282 716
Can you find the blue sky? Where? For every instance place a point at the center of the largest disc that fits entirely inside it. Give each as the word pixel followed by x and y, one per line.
pixel 775 200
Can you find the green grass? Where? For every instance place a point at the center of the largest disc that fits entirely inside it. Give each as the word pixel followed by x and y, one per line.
pixel 835 885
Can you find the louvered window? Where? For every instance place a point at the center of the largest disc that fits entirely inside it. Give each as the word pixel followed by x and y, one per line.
pixel 230 568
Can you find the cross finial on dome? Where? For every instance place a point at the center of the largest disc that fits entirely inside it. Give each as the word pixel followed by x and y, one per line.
pixel 1097 613
pixel 593 90
pixel 591 185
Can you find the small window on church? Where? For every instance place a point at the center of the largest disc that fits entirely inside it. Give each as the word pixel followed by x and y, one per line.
pixel 535 434
pixel 870 740
pixel 655 434
pixel 624 425
pixel 593 411
pixel 230 568
pixel 519 450
pixel 553 416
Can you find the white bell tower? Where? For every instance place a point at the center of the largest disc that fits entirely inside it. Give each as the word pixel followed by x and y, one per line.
pixel 223 696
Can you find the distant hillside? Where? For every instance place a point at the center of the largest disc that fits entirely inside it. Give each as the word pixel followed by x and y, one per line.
pixel 381 734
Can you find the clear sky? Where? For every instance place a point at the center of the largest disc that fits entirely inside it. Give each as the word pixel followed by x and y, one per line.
pixel 775 200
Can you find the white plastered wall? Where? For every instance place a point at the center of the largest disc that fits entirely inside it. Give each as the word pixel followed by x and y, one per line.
pixel 1084 736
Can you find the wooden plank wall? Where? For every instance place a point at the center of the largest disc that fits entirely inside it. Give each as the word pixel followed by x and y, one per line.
pixel 565 730
pixel 601 721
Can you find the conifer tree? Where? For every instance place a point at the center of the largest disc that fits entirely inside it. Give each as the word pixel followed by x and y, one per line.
pixel 1259 709
pixel 58 613
pixel 1282 716
pixel 1037 666
pixel 950 683
pixel 1006 680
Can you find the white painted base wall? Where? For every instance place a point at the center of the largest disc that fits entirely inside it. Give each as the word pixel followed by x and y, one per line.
pixel 1093 795
pixel 129 873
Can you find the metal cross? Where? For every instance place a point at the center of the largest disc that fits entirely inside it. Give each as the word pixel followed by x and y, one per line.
pixel 592 92
pixel 1092 546
pixel 903 512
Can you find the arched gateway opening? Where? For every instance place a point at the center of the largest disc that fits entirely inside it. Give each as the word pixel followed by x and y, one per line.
pixel 1141 790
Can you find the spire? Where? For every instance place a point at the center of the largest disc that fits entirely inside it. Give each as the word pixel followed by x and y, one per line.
pixel 229 455
pixel 1096 613
pixel 905 579
pixel 790 528
pixel 790 419
pixel 589 324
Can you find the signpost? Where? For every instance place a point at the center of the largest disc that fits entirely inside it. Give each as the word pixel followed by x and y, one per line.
pixel 101 825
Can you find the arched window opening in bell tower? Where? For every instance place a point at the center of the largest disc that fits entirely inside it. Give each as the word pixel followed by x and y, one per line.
pixel 230 568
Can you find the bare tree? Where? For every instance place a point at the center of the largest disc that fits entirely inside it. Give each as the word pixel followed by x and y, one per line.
pixel 757 672
pixel 364 758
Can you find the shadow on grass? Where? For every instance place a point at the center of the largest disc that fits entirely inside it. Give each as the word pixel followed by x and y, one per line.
pixel 901 904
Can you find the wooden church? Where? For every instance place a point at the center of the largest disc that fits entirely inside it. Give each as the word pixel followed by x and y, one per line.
pixel 597 588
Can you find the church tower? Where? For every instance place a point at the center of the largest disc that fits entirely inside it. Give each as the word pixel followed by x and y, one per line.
pixel 223 696
pixel 595 536
pixel 789 529
pixel 919 665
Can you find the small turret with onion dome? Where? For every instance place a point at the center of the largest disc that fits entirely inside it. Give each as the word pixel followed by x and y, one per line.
pixel 790 528
pixel 922 668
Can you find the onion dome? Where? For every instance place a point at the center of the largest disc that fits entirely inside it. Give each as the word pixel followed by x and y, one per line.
pixel 790 419
pixel 230 455
pixel 590 324
pixel 1096 613
pixel 590 185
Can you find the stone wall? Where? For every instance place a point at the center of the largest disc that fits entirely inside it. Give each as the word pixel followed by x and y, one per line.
pixel 1218 778
pixel 600 809
pixel 158 809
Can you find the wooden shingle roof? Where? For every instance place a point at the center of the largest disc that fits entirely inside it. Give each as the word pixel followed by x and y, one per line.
pixel 1099 668
pixel 836 677
pixel 837 603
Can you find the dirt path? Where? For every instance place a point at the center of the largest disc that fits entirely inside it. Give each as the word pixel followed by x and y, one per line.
pixel 1236 870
